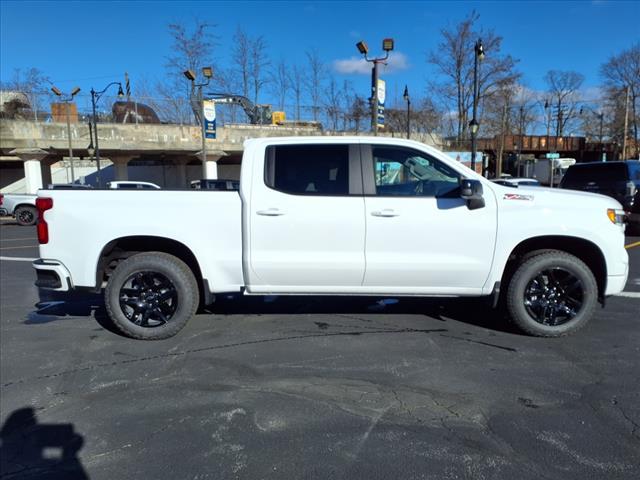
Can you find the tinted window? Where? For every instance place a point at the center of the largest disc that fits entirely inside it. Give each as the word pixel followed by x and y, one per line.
pixel 597 172
pixel 402 171
pixel 128 186
pixel 308 169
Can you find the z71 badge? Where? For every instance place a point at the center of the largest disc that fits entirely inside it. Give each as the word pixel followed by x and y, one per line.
pixel 515 196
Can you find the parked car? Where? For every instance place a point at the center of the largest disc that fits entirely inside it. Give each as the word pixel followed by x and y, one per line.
pixel 22 206
pixel 218 184
pixel 337 216
pixel 619 180
pixel 68 186
pixel 633 215
pixel 517 182
pixel 132 185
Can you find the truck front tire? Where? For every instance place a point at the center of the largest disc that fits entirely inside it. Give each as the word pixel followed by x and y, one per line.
pixel 151 296
pixel 551 294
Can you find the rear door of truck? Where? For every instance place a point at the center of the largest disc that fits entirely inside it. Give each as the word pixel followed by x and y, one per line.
pixel 307 225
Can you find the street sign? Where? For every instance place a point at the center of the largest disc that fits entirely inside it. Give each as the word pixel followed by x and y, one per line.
pixel 553 155
pixel 209 111
pixel 382 94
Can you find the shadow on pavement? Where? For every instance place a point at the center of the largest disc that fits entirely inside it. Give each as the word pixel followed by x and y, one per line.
pixel 54 306
pixel 32 450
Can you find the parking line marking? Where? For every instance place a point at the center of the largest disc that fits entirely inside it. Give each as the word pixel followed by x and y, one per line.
pixel 15 239
pixel 18 259
pixel 629 294
pixel 13 248
pixel 632 245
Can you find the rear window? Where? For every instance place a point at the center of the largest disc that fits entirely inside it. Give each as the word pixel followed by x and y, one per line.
pixel 598 173
pixel 308 169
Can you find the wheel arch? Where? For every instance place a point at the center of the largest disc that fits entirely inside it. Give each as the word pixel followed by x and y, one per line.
pixel 583 249
pixel 121 248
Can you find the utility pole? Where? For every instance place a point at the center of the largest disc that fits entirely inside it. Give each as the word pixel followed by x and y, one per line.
pixel 601 115
pixel 626 126
pixel 501 151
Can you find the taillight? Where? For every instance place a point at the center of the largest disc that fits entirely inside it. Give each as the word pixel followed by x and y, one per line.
pixel 42 205
pixel 1 198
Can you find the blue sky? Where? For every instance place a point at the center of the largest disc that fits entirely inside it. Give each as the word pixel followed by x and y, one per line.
pixel 92 43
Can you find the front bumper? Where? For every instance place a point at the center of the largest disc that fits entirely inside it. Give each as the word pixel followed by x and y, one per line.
pixel 616 283
pixel 52 275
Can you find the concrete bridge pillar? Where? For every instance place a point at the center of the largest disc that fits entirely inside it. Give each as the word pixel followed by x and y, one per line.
pixel 181 172
pixel 33 172
pixel 210 168
pixel 120 164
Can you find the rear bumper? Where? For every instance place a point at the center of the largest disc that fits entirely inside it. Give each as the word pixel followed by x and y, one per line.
pixel 52 275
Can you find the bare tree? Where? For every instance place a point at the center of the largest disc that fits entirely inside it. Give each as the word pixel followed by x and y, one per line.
pixel 314 79
pixel 241 58
pixel 454 60
pixel 358 111
pixel 296 80
pixel 281 82
pixel 258 65
pixel 347 95
pixel 563 87
pixel 33 83
pixel 619 72
pixel 333 104
pixel 191 49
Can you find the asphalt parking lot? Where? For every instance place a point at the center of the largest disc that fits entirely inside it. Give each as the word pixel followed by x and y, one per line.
pixel 312 388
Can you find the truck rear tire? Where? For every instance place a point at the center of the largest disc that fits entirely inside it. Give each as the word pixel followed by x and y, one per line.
pixel 26 215
pixel 151 296
pixel 551 294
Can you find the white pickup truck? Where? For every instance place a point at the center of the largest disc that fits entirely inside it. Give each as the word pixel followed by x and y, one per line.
pixel 336 216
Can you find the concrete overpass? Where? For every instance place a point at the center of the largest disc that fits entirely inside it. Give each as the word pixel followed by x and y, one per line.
pixel 31 148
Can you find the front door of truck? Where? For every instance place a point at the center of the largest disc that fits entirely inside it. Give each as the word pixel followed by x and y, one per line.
pixel 421 236
pixel 307 224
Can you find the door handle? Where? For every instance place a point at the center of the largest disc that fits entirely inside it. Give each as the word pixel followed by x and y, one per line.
pixel 270 212
pixel 387 212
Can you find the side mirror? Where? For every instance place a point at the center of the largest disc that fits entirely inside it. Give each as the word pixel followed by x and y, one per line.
pixel 471 191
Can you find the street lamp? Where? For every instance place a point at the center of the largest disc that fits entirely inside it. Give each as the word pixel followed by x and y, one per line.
pixel 95 96
pixel 473 125
pixel 387 46
pixel 207 72
pixel 405 95
pixel 68 98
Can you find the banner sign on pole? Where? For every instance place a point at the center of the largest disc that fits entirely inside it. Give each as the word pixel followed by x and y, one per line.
pixel 209 110
pixel 382 94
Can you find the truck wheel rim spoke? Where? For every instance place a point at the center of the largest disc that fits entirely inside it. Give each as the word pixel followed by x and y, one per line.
pixel 554 296
pixel 26 216
pixel 148 299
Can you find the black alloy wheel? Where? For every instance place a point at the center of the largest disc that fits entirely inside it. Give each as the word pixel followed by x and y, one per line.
pixel 26 216
pixel 551 294
pixel 554 296
pixel 148 299
pixel 151 295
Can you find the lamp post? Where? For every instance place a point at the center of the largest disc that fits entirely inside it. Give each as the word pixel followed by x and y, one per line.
pixel 387 46
pixel 207 72
pixel 95 96
pixel 473 125
pixel 405 95
pixel 68 98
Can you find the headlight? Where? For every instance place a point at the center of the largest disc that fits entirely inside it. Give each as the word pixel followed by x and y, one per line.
pixel 616 216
